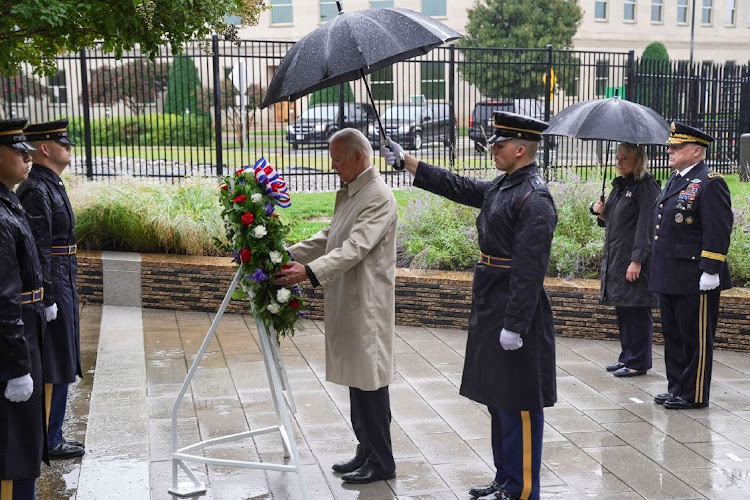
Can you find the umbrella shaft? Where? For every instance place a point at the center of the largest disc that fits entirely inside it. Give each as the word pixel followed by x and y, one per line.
pixel 375 107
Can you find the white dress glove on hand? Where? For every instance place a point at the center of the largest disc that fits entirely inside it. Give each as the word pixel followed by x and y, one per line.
pixel 708 281
pixel 50 313
pixel 510 341
pixel 19 389
pixel 392 153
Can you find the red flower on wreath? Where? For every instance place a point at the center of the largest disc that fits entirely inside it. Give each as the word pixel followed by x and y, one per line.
pixel 245 254
pixel 247 219
pixel 240 199
pixel 294 304
pixel 239 172
pixel 225 187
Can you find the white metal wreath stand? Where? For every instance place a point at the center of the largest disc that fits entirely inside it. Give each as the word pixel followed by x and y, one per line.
pixel 278 382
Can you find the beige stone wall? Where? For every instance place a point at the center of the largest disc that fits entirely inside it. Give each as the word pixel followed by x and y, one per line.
pixel 423 298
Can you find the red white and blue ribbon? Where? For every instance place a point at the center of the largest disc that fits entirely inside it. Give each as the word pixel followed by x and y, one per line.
pixel 271 182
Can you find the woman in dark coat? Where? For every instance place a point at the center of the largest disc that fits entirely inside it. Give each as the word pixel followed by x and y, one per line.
pixel 628 222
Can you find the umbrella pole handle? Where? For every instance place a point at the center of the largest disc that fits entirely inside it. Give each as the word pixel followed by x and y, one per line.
pixel 400 162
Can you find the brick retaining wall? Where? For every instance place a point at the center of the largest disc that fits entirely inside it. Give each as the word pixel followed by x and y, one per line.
pixel 423 298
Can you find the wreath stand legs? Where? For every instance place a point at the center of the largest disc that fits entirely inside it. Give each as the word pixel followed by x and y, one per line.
pixel 278 383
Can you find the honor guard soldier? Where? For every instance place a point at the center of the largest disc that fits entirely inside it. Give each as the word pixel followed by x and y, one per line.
pixel 52 223
pixel 510 351
pixel 692 227
pixel 22 438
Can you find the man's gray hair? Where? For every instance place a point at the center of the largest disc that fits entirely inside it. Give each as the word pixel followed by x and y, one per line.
pixel 354 140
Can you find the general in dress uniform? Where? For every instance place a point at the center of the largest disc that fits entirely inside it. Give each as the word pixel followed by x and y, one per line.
pixel 53 225
pixel 510 351
pixel 22 431
pixel 692 226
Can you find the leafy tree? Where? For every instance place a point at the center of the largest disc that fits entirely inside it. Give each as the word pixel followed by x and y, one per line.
pixel 655 88
pixel 331 95
pixel 655 51
pixel 137 84
pixel 35 32
pixel 183 90
pixel 19 88
pixel 516 24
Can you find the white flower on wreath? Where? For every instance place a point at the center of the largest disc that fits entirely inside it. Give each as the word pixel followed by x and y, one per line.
pixel 259 231
pixel 283 295
pixel 256 198
pixel 275 257
pixel 273 308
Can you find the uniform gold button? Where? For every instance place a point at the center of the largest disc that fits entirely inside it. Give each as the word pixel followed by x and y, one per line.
pixel 657 226
pixel 692 258
pixel 661 205
pixel 659 216
pixel 656 237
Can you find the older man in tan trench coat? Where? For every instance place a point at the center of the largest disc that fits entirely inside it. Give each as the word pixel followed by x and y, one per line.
pixel 354 260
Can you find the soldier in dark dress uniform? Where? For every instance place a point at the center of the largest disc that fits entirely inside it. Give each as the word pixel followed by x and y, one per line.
pixel 52 223
pixel 510 351
pixel 22 432
pixel 692 227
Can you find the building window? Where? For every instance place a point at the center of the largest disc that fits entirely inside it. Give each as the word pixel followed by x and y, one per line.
pixel 435 8
pixel 682 10
pixel 433 80
pixel 730 12
pixel 381 4
pixel 602 77
pixel 328 9
pixel 657 7
pixel 600 10
pixel 58 88
pixel 629 11
pixel 707 11
pixel 282 12
pixel 381 83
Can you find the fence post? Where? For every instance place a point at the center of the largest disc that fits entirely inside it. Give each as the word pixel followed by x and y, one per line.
pixel 548 88
pixel 217 105
pixel 631 84
pixel 451 104
pixel 86 115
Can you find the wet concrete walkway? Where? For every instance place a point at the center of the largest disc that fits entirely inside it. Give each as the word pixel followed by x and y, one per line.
pixel 604 438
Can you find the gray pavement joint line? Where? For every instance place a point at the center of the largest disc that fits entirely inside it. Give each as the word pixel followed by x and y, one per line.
pixel 116 463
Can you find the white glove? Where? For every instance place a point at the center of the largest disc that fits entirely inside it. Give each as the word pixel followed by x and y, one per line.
pixel 392 153
pixel 50 313
pixel 510 341
pixel 19 389
pixel 708 281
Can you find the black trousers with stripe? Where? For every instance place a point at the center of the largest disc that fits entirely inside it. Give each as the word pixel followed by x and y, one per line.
pixel 517 450
pixel 689 327
pixel 20 489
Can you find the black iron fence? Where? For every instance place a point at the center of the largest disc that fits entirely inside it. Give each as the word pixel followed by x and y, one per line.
pixel 177 116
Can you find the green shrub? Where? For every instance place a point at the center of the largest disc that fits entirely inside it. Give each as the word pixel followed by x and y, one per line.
pixel 152 129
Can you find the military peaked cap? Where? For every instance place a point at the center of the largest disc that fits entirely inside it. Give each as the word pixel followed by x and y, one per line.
pixel 11 134
pixel 515 126
pixel 682 134
pixel 49 131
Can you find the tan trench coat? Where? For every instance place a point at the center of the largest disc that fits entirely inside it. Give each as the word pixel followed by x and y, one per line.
pixel 355 262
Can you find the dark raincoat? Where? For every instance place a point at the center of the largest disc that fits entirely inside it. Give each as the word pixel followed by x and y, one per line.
pixel 53 223
pixel 629 233
pixel 517 221
pixel 23 440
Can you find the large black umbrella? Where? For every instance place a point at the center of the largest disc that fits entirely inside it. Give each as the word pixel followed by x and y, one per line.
pixel 352 45
pixel 611 119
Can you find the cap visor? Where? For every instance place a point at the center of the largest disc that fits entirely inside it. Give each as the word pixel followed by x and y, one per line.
pixel 497 138
pixel 66 141
pixel 23 146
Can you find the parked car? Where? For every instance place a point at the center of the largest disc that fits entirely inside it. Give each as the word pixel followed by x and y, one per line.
pixel 480 123
pixel 318 123
pixel 413 125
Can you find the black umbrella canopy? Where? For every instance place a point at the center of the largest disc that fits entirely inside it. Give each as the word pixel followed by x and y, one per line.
pixel 612 119
pixel 352 45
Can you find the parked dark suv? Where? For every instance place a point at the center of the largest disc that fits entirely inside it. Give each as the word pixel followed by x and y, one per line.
pixel 480 123
pixel 318 123
pixel 413 125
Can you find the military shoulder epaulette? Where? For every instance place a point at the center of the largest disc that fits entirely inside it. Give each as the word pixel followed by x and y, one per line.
pixel 713 175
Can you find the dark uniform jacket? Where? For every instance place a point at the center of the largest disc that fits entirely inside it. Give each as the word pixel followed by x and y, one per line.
pixel 22 425
pixel 517 221
pixel 629 214
pixel 53 223
pixel 692 226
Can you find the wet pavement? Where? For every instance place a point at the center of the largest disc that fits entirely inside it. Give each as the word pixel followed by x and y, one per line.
pixel 604 438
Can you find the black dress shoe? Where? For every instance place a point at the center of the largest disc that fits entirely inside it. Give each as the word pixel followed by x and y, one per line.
pixel 628 372
pixel 661 398
pixel 350 465
pixel 677 403
pixel 65 450
pixel 483 491
pixel 74 443
pixel 368 473
pixel 502 495
pixel 616 366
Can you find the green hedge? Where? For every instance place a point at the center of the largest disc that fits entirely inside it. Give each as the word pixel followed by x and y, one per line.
pixel 153 129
